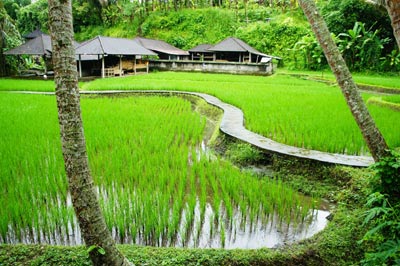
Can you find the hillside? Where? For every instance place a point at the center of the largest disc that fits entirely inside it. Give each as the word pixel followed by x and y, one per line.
pixel 270 31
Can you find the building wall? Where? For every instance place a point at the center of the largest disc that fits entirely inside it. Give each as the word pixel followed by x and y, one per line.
pixel 214 67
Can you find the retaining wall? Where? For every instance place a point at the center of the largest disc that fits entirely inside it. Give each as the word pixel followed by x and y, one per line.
pixel 212 67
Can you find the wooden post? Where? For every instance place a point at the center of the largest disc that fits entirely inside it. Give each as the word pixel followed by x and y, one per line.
pixel 120 65
pixel 102 67
pixel 45 65
pixel 80 66
pixel 249 57
pixel 134 64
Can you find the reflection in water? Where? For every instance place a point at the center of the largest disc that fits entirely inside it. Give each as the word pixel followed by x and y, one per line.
pixel 208 233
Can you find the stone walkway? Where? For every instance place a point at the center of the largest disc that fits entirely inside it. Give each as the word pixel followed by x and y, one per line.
pixel 232 124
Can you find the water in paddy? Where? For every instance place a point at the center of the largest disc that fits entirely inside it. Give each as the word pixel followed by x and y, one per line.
pixel 212 230
pixel 241 232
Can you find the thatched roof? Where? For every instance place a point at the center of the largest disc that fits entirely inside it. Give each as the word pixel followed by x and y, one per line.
pixel 101 45
pixel 201 48
pixel 160 46
pixel 40 45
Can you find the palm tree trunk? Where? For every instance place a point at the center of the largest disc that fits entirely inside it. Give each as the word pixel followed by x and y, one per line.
pixel 393 8
pixel 372 136
pixel 83 194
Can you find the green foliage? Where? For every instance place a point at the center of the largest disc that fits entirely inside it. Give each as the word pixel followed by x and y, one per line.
pixel 391 61
pixel 188 28
pixel 10 38
pixel 33 16
pixel 13 6
pixel 382 240
pixel 361 48
pixel 243 154
pixel 95 248
pixel 341 15
pixel 273 38
pixel 313 57
pixel 387 180
pixel 85 14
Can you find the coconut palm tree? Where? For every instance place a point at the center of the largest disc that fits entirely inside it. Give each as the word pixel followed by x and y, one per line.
pixel 101 246
pixel 393 9
pixel 372 136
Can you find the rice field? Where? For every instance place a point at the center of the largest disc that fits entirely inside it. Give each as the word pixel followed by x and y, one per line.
pixel 371 79
pixel 297 112
pixel 392 98
pixel 10 84
pixel 156 185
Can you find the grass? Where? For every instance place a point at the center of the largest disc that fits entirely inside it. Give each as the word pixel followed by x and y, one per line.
pixel 289 110
pixel 145 159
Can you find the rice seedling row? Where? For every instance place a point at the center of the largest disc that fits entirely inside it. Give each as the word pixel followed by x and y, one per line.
pixel 154 188
pixel 297 112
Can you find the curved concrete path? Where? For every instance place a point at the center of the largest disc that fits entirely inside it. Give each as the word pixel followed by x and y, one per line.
pixel 232 124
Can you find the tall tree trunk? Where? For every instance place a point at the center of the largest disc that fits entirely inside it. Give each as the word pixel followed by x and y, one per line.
pixel 393 8
pixel 83 194
pixel 372 136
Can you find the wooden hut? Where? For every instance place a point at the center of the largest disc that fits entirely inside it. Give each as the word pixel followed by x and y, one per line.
pixel 235 50
pixel 202 53
pixel 111 56
pixel 164 50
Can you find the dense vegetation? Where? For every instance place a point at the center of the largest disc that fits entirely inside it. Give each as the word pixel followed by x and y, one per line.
pixel 274 27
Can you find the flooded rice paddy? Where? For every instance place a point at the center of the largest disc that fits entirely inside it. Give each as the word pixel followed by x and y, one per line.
pixel 156 185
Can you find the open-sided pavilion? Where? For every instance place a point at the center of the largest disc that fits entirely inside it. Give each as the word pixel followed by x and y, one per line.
pixel 115 54
pixel 235 50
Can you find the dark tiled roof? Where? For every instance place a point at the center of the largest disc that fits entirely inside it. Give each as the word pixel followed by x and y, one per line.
pixel 232 44
pixel 40 45
pixel 112 46
pixel 33 34
pixel 201 48
pixel 160 46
